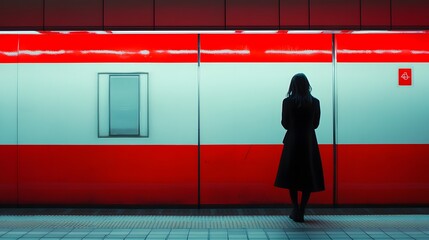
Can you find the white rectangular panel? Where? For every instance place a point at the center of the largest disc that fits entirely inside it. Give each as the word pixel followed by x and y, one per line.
pixel 59 103
pixel 374 109
pixel 241 103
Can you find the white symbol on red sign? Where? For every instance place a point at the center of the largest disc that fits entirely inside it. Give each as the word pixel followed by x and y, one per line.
pixel 405 76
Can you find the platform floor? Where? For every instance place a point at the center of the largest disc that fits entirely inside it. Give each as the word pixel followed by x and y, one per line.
pixel 213 224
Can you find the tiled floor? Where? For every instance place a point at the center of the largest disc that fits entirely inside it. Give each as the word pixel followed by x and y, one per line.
pixel 213 224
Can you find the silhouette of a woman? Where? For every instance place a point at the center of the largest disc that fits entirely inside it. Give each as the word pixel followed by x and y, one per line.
pixel 300 167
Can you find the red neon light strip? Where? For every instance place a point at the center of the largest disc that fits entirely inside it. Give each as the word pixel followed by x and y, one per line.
pixel 8 48
pixel 383 48
pixel 51 47
pixel 97 48
pixel 266 48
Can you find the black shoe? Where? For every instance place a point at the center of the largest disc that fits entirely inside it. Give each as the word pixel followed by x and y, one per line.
pixel 294 214
pixel 299 216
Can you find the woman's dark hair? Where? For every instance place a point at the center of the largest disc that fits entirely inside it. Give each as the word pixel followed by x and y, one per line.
pixel 300 89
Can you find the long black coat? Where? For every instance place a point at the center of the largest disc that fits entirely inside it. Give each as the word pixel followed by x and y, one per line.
pixel 300 165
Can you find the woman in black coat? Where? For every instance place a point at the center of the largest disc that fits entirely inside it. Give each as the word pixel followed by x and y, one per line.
pixel 300 167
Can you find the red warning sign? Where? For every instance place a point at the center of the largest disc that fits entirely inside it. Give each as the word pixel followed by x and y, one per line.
pixel 405 77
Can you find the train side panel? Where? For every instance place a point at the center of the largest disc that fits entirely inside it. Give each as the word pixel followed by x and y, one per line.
pixel 244 79
pixel 8 119
pixel 61 158
pixel 50 152
pixel 383 131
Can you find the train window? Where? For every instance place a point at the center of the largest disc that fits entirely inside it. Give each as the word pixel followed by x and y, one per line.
pixel 123 105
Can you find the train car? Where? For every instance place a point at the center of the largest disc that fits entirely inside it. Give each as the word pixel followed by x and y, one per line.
pixel 193 118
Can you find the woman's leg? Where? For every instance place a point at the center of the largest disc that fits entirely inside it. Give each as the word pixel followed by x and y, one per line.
pixel 304 200
pixel 294 199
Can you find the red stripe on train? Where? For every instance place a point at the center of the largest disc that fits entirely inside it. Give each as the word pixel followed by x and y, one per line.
pixel 49 47
pixel 245 174
pixel 383 173
pixel 8 48
pixel 8 174
pixel 100 174
pixel 230 174
pixel 96 48
pixel 145 174
pixel 266 47
pixel 383 48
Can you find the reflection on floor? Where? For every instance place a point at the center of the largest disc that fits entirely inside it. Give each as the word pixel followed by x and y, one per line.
pixel 213 224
